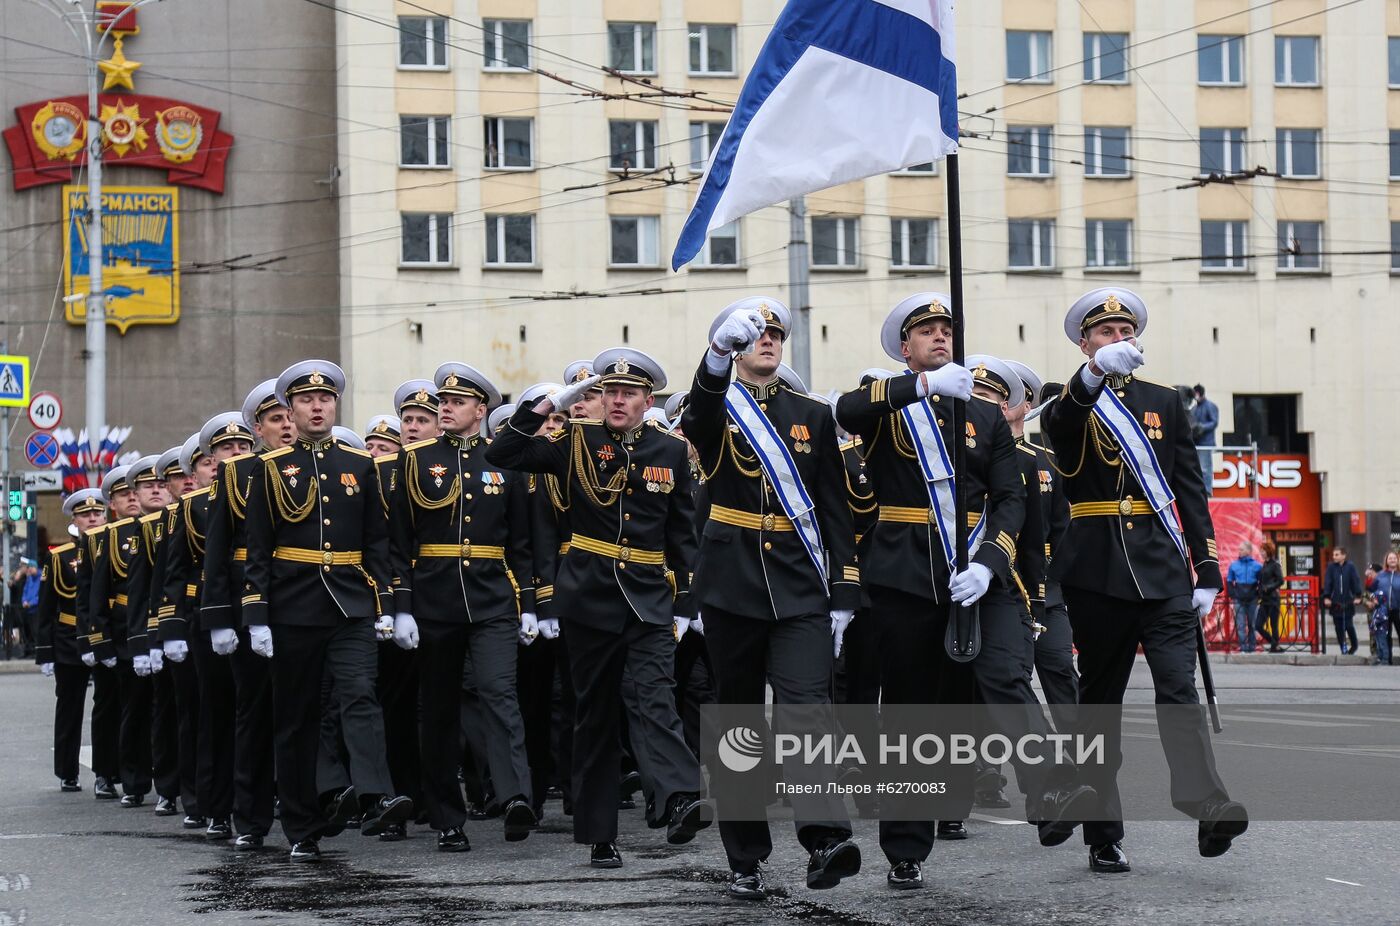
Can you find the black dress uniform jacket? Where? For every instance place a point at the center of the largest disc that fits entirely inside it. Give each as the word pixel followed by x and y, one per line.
pixel 1129 556
pixel 57 631
pixel 1030 541
pixel 318 547
pixel 904 550
pixel 546 536
pixel 183 581
pixel 226 544
pixel 751 569
pixel 629 510
pixel 1054 509
pixel 140 622
pixel 459 533
pixel 113 548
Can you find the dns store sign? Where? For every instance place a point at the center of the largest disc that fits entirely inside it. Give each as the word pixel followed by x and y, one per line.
pixel 1290 493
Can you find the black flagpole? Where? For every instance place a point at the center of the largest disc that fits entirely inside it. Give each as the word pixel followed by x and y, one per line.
pixel 964 639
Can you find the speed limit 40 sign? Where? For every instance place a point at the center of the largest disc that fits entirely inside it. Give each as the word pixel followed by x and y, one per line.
pixel 45 411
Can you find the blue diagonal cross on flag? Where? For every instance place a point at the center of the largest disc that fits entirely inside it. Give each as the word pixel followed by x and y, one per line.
pixel 842 90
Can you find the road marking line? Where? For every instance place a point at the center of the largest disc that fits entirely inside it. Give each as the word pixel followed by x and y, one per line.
pixel 85 757
pixel 1340 881
pixel 986 818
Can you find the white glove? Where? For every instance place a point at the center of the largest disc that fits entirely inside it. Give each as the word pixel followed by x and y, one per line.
pixel 1120 358
pixel 89 660
pixel 840 620
pixel 698 625
pixel 223 641
pixel 571 393
pixel 260 637
pixel 549 628
pixel 47 669
pixel 157 660
pixel 951 379
pixel 739 332
pixel 1203 599
pixel 970 584
pixel 384 627
pixel 679 625
pixel 177 650
pixel 529 628
pixel 141 665
pixel 406 631
pixel 109 663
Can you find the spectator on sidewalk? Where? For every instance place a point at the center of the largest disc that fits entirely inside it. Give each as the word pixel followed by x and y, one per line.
pixel 1242 585
pixel 1270 590
pixel 1205 417
pixel 29 606
pixel 1341 593
pixel 1385 611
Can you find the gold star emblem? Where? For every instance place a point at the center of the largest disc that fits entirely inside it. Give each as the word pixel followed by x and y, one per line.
pixel 124 127
pixel 117 69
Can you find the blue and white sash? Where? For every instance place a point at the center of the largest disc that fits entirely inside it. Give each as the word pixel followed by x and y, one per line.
pixel 780 469
pixel 942 487
pixel 1142 460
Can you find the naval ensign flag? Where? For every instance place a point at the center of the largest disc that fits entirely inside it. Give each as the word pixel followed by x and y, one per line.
pixel 842 90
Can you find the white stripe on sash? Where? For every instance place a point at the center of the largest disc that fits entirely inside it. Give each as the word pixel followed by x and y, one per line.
pixel 937 468
pixel 1142 460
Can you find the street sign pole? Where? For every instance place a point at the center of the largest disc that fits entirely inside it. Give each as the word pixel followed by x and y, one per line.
pixel 5 478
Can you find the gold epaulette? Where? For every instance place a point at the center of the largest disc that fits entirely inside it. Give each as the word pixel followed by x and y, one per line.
pixel 585 421
pixel 851 444
pixel 271 454
pixel 94 531
pixel 152 517
pixel 123 522
pixel 419 443
pixel 387 458
pixel 196 493
pixel 356 450
pixel 62 549
pixel 1026 450
pixel 982 398
pixel 241 456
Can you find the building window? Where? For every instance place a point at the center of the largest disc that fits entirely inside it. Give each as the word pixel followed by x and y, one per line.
pixel 1108 243
pixel 1106 57
pixel 1298 153
pixel 1295 60
pixel 721 248
pixel 1395 247
pixel 631 145
pixel 1220 60
pixel 1222 151
pixel 633 241
pixel 423 141
pixel 506 44
pixel 509 143
pixel 926 169
pixel 510 240
pixel 1028 57
pixel 1030 244
pixel 1223 245
pixel 1395 154
pixel 835 242
pixel 1028 150
pixel 426 239
pixel 913 243
pixel 703 138
pixel 1393 46
pixel 1106 152
pixel 632 47
pixel 423 42
pixel 1300 246
pixel 711 49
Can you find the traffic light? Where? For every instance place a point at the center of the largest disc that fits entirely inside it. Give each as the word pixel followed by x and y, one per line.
pixel 18 510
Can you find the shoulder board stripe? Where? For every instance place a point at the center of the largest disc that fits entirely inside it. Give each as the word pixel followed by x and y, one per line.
pixel 419 443
pixel 357 451
pixel 386 458
pixel 63 549
pixel 152 517
pixel 196 493
pixel 277 453
pixel 241 456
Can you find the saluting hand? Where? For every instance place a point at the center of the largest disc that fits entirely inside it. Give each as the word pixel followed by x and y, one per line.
pixel 1119 359
pixel 739 332
pixel 566 397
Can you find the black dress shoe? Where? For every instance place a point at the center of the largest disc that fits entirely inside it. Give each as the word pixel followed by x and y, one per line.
pixel 1062 811
pixel 1107 859
pixel 951 829
pixel 1221 821
pixel 103 790
pixel 308 850
pixel 388 810
pixel 748 885
pixel 477 812
pixel 165 807
pixel 394 832
pixel 519 820
pixel 689 815
pixel 833 859
pixel 338 811
pixel 904 876
pixel 69 785
pixel 994 799
pixel 248 842
pixel 218 829
pixel 453 840
pixel 192 822
pixel 630 784
pixel 605 855
pixel 133 800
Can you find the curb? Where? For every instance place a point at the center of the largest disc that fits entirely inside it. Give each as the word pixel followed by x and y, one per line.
pixel 1290 659
pixel 17 666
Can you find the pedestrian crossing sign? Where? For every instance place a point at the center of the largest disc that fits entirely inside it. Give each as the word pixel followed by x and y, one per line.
pixel 14 381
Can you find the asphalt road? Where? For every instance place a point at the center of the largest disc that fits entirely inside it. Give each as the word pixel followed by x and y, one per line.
pixel 65 859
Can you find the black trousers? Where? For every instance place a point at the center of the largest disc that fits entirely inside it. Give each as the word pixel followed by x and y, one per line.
pixel 398 699
pixel 165 734
pixel 597 660
pixel 1107 632
pixel 442 649
pixel 302 657
pixel 915 669
pixel 135 740
pixel 564 714
pixel 1054 663
pixel 254 784
pixel 694 685
pixel 795 656
pixel 185 681
pixel 106 723
pixel 70 688
pixel 534 687
pixel 480 790
pixel 217 708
